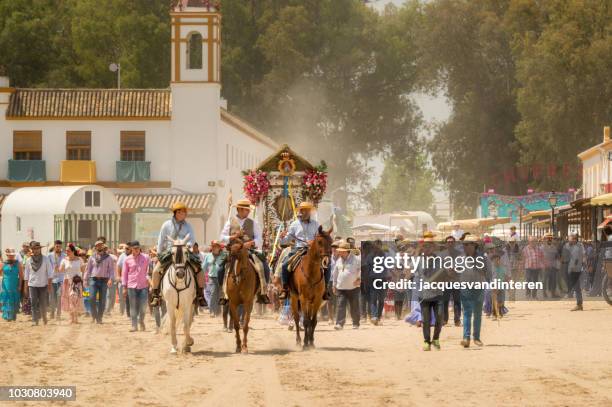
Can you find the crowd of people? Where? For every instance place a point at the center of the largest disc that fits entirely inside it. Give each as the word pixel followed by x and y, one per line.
pixel 78 282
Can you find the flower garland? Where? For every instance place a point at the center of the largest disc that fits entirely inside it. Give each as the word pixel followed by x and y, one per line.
pixel 315 183
pixel 256 185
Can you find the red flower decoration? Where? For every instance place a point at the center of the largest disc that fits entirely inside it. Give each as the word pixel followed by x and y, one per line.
pixel 315 184
pixel 256 186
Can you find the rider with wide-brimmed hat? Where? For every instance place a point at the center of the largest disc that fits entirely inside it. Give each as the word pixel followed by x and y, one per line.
pixel 176 228
pixel 249 231
pixel 302 231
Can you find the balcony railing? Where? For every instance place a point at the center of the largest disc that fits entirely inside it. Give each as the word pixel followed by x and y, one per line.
pixel 133 171
pixel 76 171
pixel 27 171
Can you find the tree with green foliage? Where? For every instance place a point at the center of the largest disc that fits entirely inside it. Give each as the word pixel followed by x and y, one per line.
pixel 404 185
pixel 564 66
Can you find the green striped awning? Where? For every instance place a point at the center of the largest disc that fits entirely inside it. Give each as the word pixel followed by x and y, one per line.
pixel 107 225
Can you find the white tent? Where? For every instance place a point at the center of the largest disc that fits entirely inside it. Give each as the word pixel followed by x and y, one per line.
pixel 75 214
pixel 412 222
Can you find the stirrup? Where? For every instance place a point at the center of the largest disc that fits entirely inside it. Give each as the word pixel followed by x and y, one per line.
pixel 155 300
pixel 201 301
pixel 263 299
pixel 223 301
pixel 283 294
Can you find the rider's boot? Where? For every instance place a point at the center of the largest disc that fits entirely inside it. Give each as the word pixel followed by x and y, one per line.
pixel 200 300
pixel 284 293
pixel 263 299
pixel 155 298
pixel 326 292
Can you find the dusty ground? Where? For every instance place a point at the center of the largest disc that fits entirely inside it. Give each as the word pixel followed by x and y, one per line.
pixel 540 354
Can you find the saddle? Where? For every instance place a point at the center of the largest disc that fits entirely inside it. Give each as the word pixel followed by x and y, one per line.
pixel 293 261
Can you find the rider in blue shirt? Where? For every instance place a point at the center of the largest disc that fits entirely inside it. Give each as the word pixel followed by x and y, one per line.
pixel 176 228
pixel 302 231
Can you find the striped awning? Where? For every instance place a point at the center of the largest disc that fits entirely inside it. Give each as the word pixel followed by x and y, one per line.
pixel 197 203
pixel 602 200
pixel 66 227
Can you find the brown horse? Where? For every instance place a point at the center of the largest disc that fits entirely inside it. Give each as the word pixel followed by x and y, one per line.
pixel 307 285
pixel 242 282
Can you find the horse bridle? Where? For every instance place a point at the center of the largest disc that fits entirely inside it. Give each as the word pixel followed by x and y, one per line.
pixel 188 277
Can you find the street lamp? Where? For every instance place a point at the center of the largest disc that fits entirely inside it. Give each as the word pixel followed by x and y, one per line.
pixel 116 67
pixel 552 201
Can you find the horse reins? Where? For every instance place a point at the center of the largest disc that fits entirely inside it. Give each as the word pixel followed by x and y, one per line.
pixel 188 278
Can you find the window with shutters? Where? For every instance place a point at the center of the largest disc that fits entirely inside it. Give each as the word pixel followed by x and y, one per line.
pixel 132 146
pixel 27 145
pixel 78 145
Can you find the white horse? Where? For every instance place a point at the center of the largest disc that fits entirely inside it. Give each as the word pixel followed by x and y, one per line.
pixel 178 290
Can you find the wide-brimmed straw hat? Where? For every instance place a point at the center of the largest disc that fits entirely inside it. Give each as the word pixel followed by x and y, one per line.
pixel 429 237
pixel 35 245
pixel 177 206
pixel 10 251
pixel 305 205
pixel 244 204
pixel 344 246
pixel 471 239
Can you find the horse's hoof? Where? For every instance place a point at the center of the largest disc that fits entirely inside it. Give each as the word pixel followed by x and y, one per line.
pixel 173 351
pixel 190 342
pixel 187 349
pixel 290 327
pixel 238 349
pixel 245 350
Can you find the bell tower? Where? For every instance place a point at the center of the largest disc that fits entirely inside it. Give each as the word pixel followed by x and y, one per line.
pixel 196 42
pixel 196 93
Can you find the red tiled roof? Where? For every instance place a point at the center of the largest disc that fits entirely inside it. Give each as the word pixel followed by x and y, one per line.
pixel 90 103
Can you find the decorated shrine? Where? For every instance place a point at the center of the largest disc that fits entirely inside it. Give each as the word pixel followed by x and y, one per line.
pixel 278 185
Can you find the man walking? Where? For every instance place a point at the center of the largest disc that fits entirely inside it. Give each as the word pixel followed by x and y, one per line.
pixel 55 295
pixel 431 300
pixel 574 268
pixel 451 251
pixel 98 274
pixel 346 279
pixel 39 276
pixel 377 295
pixel 124 300
pixel 533 262
pixel 134 279
pixel 212 265
pixel 551 259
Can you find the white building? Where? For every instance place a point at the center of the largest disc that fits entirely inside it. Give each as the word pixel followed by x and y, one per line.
pixel 151 147
pixel 597 168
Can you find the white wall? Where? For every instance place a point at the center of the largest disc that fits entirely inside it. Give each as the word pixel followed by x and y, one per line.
pixel 590 179
pixel 105 144
pixel 236 151
pixel 195 121
pixel 41 227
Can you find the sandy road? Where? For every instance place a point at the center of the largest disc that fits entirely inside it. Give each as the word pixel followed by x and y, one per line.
pixel 541 354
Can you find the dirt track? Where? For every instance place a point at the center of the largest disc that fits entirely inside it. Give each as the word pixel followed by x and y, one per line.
pixel 541 354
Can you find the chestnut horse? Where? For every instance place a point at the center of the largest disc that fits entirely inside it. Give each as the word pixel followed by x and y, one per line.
pixel 307 284
pixel 242 282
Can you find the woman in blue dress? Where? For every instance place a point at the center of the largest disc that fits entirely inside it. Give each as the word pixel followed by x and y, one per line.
pixel 12 276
